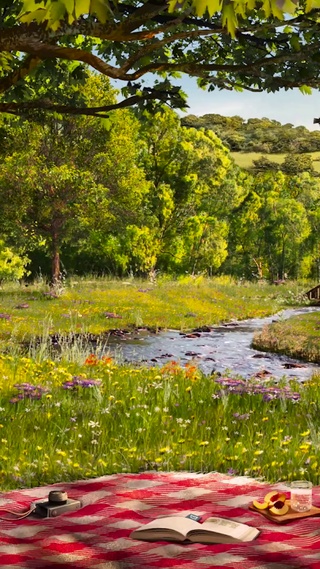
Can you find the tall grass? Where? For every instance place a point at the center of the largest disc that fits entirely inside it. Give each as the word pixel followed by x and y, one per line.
pixel 67 414
pixel 65 421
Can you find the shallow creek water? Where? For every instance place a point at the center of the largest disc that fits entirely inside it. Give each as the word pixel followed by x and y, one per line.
pixel 223 349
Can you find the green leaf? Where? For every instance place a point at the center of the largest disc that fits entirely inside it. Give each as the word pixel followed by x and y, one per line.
pixel 229 19
pixel 200 6
pixel 310 4
pixel 31 6
pixel 294 42
pixel 266 7
pixel 305 89
pixel 81 7
pixel 56 13
pixel 172 5
pixel 106 123
pixel 38 16
pixel 69 5
pixel 214 6
pixel 100 9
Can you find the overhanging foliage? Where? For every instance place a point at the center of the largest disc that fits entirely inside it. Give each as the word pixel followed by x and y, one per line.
pixel 226 45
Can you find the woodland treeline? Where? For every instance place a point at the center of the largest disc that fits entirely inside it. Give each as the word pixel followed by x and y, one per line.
pixel 257 135
pixel 138 192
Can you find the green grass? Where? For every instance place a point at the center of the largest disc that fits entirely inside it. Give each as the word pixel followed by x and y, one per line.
pixel 181 304
pixel 298 337
pixel 74 416
pixel 245 159
pixel 130 420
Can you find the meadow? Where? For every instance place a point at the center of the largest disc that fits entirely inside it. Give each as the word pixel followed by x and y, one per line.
pixel 245 159
pixel 70 414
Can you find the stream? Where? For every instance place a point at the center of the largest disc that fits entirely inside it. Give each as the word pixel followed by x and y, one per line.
pixel 223 349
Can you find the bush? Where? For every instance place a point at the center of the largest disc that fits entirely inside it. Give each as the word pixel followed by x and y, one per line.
pixel 12 266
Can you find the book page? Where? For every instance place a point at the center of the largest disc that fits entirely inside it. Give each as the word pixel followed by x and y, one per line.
pixel 225 527
pixel 175 523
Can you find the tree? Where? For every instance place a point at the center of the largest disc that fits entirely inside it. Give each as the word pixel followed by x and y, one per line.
pixel 284 225
pixel 297 163
pixel 227 45
pixel 192 193
pixel 47 203
pixel 75 180
pixel 263 164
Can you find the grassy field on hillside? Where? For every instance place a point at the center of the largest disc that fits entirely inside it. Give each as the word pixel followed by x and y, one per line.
pixel 245 159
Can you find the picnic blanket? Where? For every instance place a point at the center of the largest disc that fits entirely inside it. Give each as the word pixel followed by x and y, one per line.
pixel 97 535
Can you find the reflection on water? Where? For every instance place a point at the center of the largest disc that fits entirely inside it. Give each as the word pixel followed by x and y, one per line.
pixel 222 349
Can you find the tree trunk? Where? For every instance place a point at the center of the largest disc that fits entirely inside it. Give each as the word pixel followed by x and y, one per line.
pixel 55 259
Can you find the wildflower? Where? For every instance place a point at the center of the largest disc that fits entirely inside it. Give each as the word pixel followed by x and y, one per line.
pixel 78 381
pixel 93 424
pixel 106 360
pixel 203 443
pixel 91 360
pixel 305 446
pixel 305 433
pixel 61 452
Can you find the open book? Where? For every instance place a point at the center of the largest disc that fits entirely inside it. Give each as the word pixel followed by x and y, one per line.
pixel 177 528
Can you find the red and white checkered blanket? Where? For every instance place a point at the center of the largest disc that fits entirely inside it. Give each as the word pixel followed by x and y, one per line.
pixel 97 535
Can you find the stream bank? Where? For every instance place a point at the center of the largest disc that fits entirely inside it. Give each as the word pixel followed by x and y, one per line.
pixel 222 349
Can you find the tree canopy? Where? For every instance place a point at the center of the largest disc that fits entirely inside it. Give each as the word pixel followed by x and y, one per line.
pixel 243 44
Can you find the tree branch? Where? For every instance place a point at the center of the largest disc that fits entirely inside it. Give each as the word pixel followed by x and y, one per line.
pixel 45 105
pixel 165 42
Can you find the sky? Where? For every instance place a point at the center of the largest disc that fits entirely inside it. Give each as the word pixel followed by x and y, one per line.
pixel 285 106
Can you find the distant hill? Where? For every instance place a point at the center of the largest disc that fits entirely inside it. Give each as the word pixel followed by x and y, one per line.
pixel 261 136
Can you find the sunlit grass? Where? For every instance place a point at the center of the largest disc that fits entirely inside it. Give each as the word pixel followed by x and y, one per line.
pixel 69 415
pixel 298 337
pixel 245 159
pixel 84 306
pixel 65 421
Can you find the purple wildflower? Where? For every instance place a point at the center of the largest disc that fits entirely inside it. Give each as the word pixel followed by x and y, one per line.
pixel 232 472
pixel 78 381
pixel 28 391
pixel 239 387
